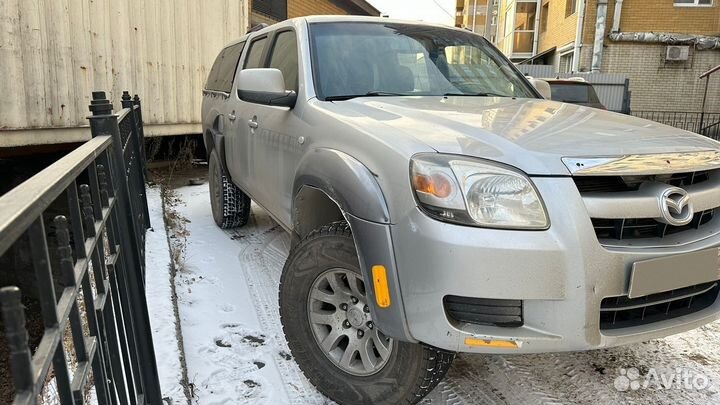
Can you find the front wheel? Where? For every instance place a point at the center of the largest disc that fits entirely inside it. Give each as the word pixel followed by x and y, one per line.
pixel 330 331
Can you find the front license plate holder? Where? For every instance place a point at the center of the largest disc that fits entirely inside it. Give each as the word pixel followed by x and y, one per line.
pixel 673 272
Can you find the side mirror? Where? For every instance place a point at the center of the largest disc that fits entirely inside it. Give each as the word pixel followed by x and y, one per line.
pixel 542 87
pixel 265 86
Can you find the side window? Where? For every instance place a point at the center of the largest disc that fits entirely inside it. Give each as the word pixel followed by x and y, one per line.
pixel 255 54
pixel 222 73
pixel 285 58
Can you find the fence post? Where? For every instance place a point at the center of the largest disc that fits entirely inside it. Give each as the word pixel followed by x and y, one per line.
pixel 702 113
pixel 626 97
pixel 104 122
pixel 17 340
pixel 139 141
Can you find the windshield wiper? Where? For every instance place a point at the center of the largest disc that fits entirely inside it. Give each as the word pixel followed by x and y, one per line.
pixel 368 94
pixel 481 94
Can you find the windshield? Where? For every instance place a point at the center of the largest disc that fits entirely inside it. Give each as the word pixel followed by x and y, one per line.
pixel 574 93
pixel 388 59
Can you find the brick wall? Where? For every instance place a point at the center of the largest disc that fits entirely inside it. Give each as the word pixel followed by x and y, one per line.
pixel 656 85
pixel 664 16
pixel 655 16
pixel 300 8
pixel 560 29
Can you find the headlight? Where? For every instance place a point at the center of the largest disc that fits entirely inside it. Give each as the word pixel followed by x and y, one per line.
pixel 476 192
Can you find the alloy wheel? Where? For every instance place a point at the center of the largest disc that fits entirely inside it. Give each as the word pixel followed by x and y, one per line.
pixel 342 324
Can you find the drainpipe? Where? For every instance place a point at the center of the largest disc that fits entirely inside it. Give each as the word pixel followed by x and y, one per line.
pixel 578 36
pixel 616 16
pixel 600 24
pixel 536 37
pixel 474 15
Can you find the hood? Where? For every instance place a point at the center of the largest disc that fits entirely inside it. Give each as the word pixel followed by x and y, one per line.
pixel 530 134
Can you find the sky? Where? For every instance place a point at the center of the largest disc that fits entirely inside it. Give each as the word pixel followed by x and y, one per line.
pixel 437 11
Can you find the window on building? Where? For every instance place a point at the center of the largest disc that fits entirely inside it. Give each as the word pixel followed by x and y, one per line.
pixel 544 17
pixel 566 62
pixel 222 73
pixel 570 7
pixel 525 16
pixel 285 58
pixel 493 20
pixel 254 58
pixel 693 3
pixel 524 32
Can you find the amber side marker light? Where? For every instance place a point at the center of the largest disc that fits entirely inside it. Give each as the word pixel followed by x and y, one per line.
pixel 382 291
pixel 501 344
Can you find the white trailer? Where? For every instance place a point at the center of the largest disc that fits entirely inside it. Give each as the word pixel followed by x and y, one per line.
pixel 54 53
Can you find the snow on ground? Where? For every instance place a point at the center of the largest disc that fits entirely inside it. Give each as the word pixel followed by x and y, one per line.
pixel 227 295
pixel 160 302
pixel 236 353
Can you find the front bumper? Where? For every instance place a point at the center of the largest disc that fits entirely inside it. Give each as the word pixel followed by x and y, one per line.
pixel 561 274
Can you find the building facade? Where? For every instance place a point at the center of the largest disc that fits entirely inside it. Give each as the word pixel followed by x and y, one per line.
pixel 272 11
pixel 479 16
pixel 663 46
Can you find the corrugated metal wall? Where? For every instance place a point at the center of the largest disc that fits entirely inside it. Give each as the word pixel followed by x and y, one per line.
pixel 611 88
pixel 53 53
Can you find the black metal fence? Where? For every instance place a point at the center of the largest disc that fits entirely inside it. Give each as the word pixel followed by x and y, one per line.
pixel 89 269
pixel 707 124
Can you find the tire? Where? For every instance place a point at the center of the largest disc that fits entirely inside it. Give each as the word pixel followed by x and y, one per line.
pixel 407 374
pixel 230 205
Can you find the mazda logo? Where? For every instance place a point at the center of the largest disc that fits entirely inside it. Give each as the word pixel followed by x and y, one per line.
pixel 675 207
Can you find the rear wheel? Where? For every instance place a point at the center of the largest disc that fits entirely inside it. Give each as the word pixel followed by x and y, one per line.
pixel 230 205
pixel 330 331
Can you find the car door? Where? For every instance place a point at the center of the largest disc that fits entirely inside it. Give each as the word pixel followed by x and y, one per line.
pixel 240 130
pixel 220 81
pixel 275 133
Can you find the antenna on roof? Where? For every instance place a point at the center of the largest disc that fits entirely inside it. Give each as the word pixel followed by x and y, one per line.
pixel 257 27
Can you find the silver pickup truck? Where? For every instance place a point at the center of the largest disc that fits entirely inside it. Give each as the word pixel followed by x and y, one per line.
pixel 439 204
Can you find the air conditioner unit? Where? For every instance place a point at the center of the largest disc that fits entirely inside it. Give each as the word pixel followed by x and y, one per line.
pixel 677 53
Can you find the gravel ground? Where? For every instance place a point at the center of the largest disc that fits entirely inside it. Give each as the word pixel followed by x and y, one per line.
pixel 236 353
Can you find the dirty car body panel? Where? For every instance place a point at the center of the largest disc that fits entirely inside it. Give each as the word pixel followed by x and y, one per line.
pixel 565 286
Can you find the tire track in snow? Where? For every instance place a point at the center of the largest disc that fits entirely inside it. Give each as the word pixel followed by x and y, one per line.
pixel 262 261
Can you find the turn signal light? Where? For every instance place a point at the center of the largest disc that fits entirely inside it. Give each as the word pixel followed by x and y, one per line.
pixel 382 291
pixel 436 184
pixel 500 344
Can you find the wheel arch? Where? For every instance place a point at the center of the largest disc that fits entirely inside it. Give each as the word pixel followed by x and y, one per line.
pixel 215 141
pixel 331 185
pixel 342 179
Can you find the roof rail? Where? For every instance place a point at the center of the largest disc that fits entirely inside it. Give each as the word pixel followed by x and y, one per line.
pixel 257 27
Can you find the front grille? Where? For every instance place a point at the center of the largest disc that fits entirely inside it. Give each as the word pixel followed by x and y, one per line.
pixel 641 228
pixel 611 184
pixel 483 311
pixel 623 312
pixel 634 228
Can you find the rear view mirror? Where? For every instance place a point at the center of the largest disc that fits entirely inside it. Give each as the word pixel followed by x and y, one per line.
pixel 265 86
pixel 542 87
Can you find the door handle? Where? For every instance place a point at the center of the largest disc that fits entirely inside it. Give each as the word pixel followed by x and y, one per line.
pixel 253 124
pixel 231 117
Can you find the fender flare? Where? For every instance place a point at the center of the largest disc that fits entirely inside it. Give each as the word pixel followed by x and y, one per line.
pixel 215 140
pixel 346 181
pixel 355 190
